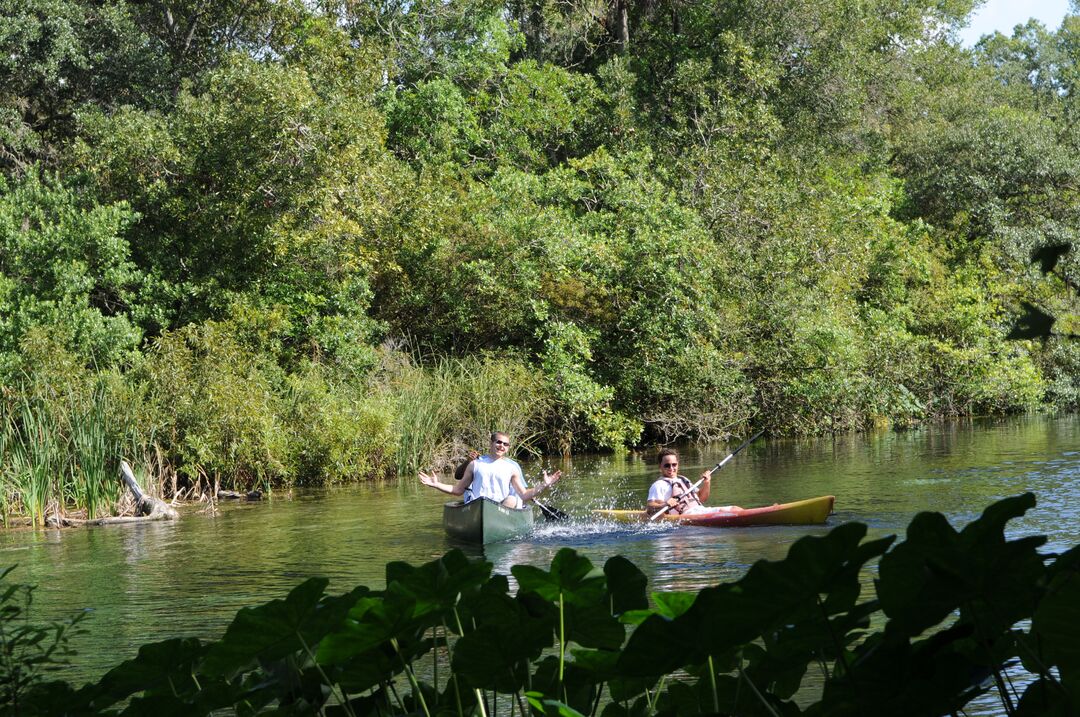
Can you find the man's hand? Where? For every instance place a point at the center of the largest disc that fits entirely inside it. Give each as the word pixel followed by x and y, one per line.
pixel 551 479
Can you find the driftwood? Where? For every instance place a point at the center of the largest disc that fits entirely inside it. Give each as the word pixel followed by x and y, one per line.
pixel 147 507
pixel 61 521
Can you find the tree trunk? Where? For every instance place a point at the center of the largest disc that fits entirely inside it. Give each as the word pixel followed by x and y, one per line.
pixel 622 24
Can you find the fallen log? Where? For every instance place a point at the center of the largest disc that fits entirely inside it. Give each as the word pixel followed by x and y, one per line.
pixel 60 521
pixel 147 507
pixel 233 495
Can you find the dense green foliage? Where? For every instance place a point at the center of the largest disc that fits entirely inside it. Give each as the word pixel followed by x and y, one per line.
pixel 271 228
pixel 954 614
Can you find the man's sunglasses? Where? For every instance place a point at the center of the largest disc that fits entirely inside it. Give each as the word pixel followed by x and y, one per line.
pixel 501 443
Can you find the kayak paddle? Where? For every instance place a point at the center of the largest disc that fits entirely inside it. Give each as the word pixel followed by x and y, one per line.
pixel 715 468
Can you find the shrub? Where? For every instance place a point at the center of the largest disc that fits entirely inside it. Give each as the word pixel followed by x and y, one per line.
pixel 211 405
pixel 333 434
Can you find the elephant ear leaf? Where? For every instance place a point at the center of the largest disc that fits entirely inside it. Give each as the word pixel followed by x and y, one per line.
pixel 626 585
pixel 572 577
pixel 280 627
pixel 1054 622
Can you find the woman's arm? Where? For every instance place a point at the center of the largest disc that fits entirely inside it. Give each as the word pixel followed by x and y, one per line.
pixel 706 486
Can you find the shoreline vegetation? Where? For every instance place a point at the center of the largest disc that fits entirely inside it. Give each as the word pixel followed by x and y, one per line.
pixel 304 243
pixel 951 617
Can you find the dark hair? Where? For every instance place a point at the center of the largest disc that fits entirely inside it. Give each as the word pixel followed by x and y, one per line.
pixel 665 453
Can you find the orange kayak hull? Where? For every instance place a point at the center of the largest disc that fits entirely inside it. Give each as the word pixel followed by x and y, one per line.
pixel 812 511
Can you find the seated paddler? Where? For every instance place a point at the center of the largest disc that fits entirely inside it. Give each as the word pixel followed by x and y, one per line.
pixel 493 475
pixel 676 492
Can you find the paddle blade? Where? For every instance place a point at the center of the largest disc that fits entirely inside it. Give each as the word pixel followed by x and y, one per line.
pixel 551 515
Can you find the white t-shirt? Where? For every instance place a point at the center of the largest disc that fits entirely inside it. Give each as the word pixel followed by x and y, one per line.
pixel 491 478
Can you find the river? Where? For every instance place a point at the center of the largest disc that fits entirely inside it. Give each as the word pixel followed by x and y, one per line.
pixel 147 582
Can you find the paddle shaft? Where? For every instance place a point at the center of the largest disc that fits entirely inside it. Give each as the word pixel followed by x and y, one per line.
pixel 718 466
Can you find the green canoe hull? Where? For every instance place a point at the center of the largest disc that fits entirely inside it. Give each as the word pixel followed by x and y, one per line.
pixel 485 521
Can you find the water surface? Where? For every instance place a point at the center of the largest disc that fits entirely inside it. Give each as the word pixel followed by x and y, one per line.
pixel 188 578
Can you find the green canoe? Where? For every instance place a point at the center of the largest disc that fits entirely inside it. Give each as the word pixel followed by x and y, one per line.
pixel 485 521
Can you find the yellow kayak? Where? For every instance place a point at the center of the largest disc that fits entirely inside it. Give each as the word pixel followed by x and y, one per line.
pixel 812 511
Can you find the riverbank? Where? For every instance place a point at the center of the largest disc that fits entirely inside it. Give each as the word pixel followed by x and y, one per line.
pixel 198 415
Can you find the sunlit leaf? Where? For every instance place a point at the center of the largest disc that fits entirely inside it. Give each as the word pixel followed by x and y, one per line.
pixel 550 708
pixel 437 585
pixel 371 622
pixel 572 576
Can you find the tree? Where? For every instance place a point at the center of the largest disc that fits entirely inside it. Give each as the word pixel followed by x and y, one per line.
pixel 65 269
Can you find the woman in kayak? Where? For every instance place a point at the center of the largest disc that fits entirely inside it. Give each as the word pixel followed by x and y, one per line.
pixel 495 476
pixel 674 490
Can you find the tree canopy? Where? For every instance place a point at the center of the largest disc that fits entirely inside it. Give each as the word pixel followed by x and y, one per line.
pixel 682 217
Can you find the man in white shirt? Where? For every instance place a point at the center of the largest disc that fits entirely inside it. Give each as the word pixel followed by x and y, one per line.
pixel 494 476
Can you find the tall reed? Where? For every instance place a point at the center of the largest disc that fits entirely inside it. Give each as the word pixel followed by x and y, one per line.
pixel 423 412
pixel 63 448
pixel 456 403
pixel 93 452
pixel 6 488
pixel 498 395
pixel 36 458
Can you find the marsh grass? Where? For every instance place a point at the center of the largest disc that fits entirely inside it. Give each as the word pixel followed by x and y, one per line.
pixel 446 408
pixel 189 425
pixel 63 451
pixel 33 459
pixel 93 453
pixel 6 493
pixel 423 411
pixel 500 395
